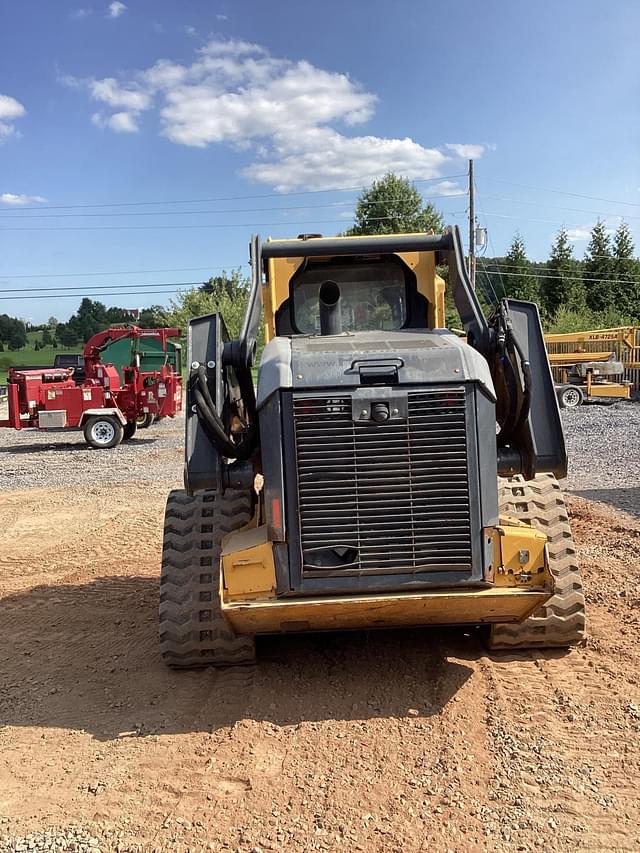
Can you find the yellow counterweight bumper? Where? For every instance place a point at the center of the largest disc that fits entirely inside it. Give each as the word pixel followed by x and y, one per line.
pixel 518 574
pixel 439 607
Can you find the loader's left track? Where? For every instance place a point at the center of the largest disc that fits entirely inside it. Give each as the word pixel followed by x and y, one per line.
pixel 193 631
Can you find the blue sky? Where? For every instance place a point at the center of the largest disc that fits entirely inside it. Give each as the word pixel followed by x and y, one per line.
pixel 249 115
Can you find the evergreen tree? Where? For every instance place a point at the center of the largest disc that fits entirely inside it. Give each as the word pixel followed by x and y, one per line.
pixel 393 206
pixel 47 340
pixel 598 270
pixel 625 270
pixel 519 281
pixel 562 284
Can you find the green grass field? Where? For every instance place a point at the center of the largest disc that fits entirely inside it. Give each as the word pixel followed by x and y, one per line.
pixel 27 356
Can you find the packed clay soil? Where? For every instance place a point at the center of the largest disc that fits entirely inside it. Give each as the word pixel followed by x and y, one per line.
pixel 381 741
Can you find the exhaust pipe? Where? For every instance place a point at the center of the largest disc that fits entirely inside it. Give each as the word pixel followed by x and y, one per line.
pixel 330 308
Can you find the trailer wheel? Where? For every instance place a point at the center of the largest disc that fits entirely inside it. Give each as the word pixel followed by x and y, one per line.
pixel 130 430
pixel 144 421
pixel 103 432
pixel 193 631
pixel 570 397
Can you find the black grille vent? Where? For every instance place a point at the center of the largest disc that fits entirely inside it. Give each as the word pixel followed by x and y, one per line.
pixel 384 497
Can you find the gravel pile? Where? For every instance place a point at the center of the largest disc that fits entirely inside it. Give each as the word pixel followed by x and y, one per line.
pixel 30 459
pixel 603 443
pixel 70 840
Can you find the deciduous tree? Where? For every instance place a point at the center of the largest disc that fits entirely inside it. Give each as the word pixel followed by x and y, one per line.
pixel 393 206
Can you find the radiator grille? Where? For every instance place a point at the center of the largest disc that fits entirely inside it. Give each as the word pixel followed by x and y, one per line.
pixel 388 497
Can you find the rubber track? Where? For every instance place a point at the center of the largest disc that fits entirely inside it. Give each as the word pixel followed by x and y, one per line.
pixel 193 632
pixel 561 621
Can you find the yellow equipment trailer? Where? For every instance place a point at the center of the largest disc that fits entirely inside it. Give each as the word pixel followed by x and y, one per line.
pixel 590 365
pixel 385 472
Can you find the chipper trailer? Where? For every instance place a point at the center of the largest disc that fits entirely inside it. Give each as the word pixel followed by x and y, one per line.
pixel 103 406
pixel 385 472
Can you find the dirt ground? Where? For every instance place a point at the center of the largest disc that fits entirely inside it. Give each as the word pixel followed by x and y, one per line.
pixel 387 741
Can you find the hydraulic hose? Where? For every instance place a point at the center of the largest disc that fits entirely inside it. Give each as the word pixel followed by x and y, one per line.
pixel 215 428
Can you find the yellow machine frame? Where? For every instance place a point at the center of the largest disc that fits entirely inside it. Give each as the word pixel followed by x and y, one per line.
pixel 280 271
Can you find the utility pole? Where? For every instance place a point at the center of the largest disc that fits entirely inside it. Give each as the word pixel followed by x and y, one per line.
pixel 472 228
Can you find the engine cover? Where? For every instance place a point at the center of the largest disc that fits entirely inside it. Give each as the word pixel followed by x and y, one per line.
pixel 385 459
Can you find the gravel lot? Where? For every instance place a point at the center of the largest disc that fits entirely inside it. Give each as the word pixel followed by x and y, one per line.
pixel 604 454
pixel 31 459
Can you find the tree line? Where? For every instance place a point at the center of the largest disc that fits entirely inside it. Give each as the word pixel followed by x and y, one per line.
pixel 602 289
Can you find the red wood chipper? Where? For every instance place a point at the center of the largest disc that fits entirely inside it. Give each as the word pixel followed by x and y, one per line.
pixel 105 407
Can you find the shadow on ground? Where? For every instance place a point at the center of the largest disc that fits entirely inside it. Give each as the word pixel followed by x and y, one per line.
pixel 625 499
pixel 86 658
pixel 68 445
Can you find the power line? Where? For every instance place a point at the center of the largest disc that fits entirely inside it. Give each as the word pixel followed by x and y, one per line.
pixel 491 262
pixel 16 215
pixel 44 291
pixel 120 272
pixel 561 192
pixel 528 219
pixel 224 198
pixel 187 227
pixel 81 295
pixel 578 275
pixel 599 213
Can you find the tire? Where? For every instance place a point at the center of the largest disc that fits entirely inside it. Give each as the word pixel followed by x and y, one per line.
pixel 144 421
pixel 129 430
pixel 193 631
pixel 560 622
pixel 103 432
pixel 570 397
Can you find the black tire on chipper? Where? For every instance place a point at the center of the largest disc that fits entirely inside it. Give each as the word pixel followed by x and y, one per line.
pixel 145 420
pixel 193 631
pixel 560 622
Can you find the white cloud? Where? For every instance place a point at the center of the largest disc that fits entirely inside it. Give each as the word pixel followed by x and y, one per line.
pixel 79 14
pixel 467 151
pixel 190 31
pixel 579 233
pixel 16 200
pixel 323 158
pixel 111 93
pixel 448 188
pixel 119 122
pixel 291 115
pixel 116 9
pixel 10 109
pixel 222 17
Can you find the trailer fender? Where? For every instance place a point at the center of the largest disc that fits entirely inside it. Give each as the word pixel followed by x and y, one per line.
pixel 89 413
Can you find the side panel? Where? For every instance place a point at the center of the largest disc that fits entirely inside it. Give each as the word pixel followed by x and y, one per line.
pixel 542 435
pixel 205 341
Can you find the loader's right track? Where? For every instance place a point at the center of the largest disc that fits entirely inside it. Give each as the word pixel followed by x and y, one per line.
pixel 193 631
pixel 561 621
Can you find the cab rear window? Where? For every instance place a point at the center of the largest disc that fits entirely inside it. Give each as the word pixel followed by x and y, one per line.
pixel 373 296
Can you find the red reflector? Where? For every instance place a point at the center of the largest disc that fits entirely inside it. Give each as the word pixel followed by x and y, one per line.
pixel 276 514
